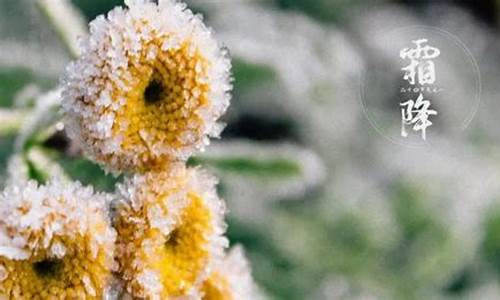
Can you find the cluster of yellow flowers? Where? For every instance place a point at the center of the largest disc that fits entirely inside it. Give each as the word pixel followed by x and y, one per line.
pixel 144 95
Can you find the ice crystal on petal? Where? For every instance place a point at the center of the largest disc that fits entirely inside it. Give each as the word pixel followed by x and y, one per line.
pixel 55 239
pixel 170 231
pixel 230 279
pixel 148 88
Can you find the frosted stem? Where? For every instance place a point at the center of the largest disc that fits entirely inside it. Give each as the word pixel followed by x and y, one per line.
pixel 66 20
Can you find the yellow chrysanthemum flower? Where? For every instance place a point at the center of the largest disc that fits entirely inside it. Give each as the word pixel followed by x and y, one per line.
pixel 56 242
pixel 170 229
pixel 231 279
pixel 148 88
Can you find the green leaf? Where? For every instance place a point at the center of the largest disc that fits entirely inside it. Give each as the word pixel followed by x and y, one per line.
pixel 36 173
pixel 491 240
pixel 246 73
pixel 92 8
pixel 88 173
pixel 6 149
pixel 272 167
pixel 12 80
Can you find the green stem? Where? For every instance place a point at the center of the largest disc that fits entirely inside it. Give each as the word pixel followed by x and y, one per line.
pixel 41 167
pixel 12 120
pixel 66 20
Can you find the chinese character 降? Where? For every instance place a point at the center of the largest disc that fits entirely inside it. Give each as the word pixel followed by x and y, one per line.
pixel 416 113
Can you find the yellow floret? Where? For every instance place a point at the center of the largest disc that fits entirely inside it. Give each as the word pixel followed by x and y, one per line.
pixel 230 279
pixel 56 242
pixel 77 275
pixel 148 88
pixel 162 106
pixel 216 287
pixel 170 258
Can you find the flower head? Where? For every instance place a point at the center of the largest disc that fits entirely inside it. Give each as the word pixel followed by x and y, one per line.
pixel 231 279
pixel 56 242
pixel 148 88
pixel 170 227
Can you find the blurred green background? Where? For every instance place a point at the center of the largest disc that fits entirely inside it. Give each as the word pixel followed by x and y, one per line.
pixel 325 207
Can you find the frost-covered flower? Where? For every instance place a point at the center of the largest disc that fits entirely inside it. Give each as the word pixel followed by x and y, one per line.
pixel 56 242
pixel 148 88
pixel 231 279
pixel 170 227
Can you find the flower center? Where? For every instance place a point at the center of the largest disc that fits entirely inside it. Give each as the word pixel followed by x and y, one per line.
pixel 154 92
pixel 48 268
pixel 172 239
